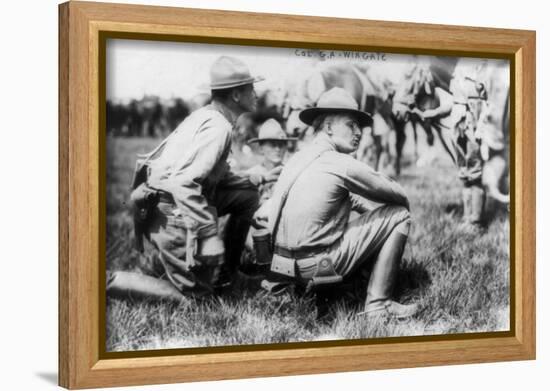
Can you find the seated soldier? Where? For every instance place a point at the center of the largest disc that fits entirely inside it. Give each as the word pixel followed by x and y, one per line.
pixel 193 184
pixel 314 239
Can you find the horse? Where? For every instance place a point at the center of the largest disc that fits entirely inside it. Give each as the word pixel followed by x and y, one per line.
pixel 423 98
pixel 464 99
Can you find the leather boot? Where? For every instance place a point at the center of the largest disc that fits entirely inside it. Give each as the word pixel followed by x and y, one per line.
pixel 467 203
pixel 390 307
pixel 382 280
pixel 236 231
pixel 478 205
pixel 235 238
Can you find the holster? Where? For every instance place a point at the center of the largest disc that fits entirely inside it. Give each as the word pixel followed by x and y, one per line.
pixel 144 201
pixel 324 275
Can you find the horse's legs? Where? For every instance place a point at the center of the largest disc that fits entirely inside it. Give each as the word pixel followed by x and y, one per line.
pixel 400 138
pixel 380 151
pixel 427 126
pixel 415 135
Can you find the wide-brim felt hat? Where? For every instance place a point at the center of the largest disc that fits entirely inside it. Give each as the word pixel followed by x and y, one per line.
pixel 336 101
pixel 229 72
pixel 271 130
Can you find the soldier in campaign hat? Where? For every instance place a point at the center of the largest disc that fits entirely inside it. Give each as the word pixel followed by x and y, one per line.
pixel 194 184
pixel 273 144
pixel 315 241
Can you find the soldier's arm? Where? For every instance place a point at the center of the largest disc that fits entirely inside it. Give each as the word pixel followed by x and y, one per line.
pixel 205 152
pixel 254 175
pixel 241 180
pixel 360 204
pixel 251 177
pixel 444 108
pixel 365 182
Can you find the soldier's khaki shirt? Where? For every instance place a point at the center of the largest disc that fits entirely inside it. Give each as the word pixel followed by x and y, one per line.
pixel 193 163
pixel 319 203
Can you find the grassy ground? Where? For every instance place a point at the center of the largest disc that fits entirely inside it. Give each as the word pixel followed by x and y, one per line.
pixel 458 276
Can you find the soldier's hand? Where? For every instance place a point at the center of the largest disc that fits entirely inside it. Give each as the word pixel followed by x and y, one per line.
pixel 273 175
pixel 260 218
pixel 421 114
pixel 210 247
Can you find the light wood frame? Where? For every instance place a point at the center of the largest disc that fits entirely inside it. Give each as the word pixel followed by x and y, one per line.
pixel 81 162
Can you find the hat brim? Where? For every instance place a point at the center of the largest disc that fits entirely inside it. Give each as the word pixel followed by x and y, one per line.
pixel 307 116
pixel 223 86
pixel 257 140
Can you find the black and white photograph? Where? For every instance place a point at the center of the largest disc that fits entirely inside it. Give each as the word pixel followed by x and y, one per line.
pixel 268 195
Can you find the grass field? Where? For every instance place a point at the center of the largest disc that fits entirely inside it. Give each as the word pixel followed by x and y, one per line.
pixel 459 277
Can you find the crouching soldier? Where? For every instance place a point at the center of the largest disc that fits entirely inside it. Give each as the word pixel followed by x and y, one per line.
pixel 190 185
pixel 315 242
pixel 273 144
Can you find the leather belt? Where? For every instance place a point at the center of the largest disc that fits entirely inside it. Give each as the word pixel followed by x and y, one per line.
pixel 304 252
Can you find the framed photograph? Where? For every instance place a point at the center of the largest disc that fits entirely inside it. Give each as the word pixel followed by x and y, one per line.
pixel 247 195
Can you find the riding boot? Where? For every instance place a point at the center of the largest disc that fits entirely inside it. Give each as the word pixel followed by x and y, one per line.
pixel 235 238
pixel 478 205
pixel 383 277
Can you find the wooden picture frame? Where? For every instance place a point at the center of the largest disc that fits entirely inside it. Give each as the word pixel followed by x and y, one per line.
pixel 82 29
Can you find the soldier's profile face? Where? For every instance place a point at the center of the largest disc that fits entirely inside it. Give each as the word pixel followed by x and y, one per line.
pixel 248 99
pixel 345 132
pixel 274 151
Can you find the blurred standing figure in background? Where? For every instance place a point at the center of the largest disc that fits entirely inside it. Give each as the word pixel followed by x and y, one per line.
pixel 191 184
pixel 476 113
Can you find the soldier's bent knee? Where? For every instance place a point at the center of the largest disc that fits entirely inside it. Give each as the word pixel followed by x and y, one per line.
pixel 403 219
pixel 251 200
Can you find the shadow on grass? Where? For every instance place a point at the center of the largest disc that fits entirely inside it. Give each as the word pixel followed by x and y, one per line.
pixel 411 278
pixel 454 209
pixel 495 210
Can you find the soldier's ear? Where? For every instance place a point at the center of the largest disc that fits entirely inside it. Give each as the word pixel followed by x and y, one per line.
pixel 235 95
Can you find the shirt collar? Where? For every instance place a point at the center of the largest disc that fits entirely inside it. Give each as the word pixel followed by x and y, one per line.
pixel 223 110
pixel 323 140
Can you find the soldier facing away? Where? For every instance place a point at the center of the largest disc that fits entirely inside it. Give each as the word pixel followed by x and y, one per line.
pixel 192 185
